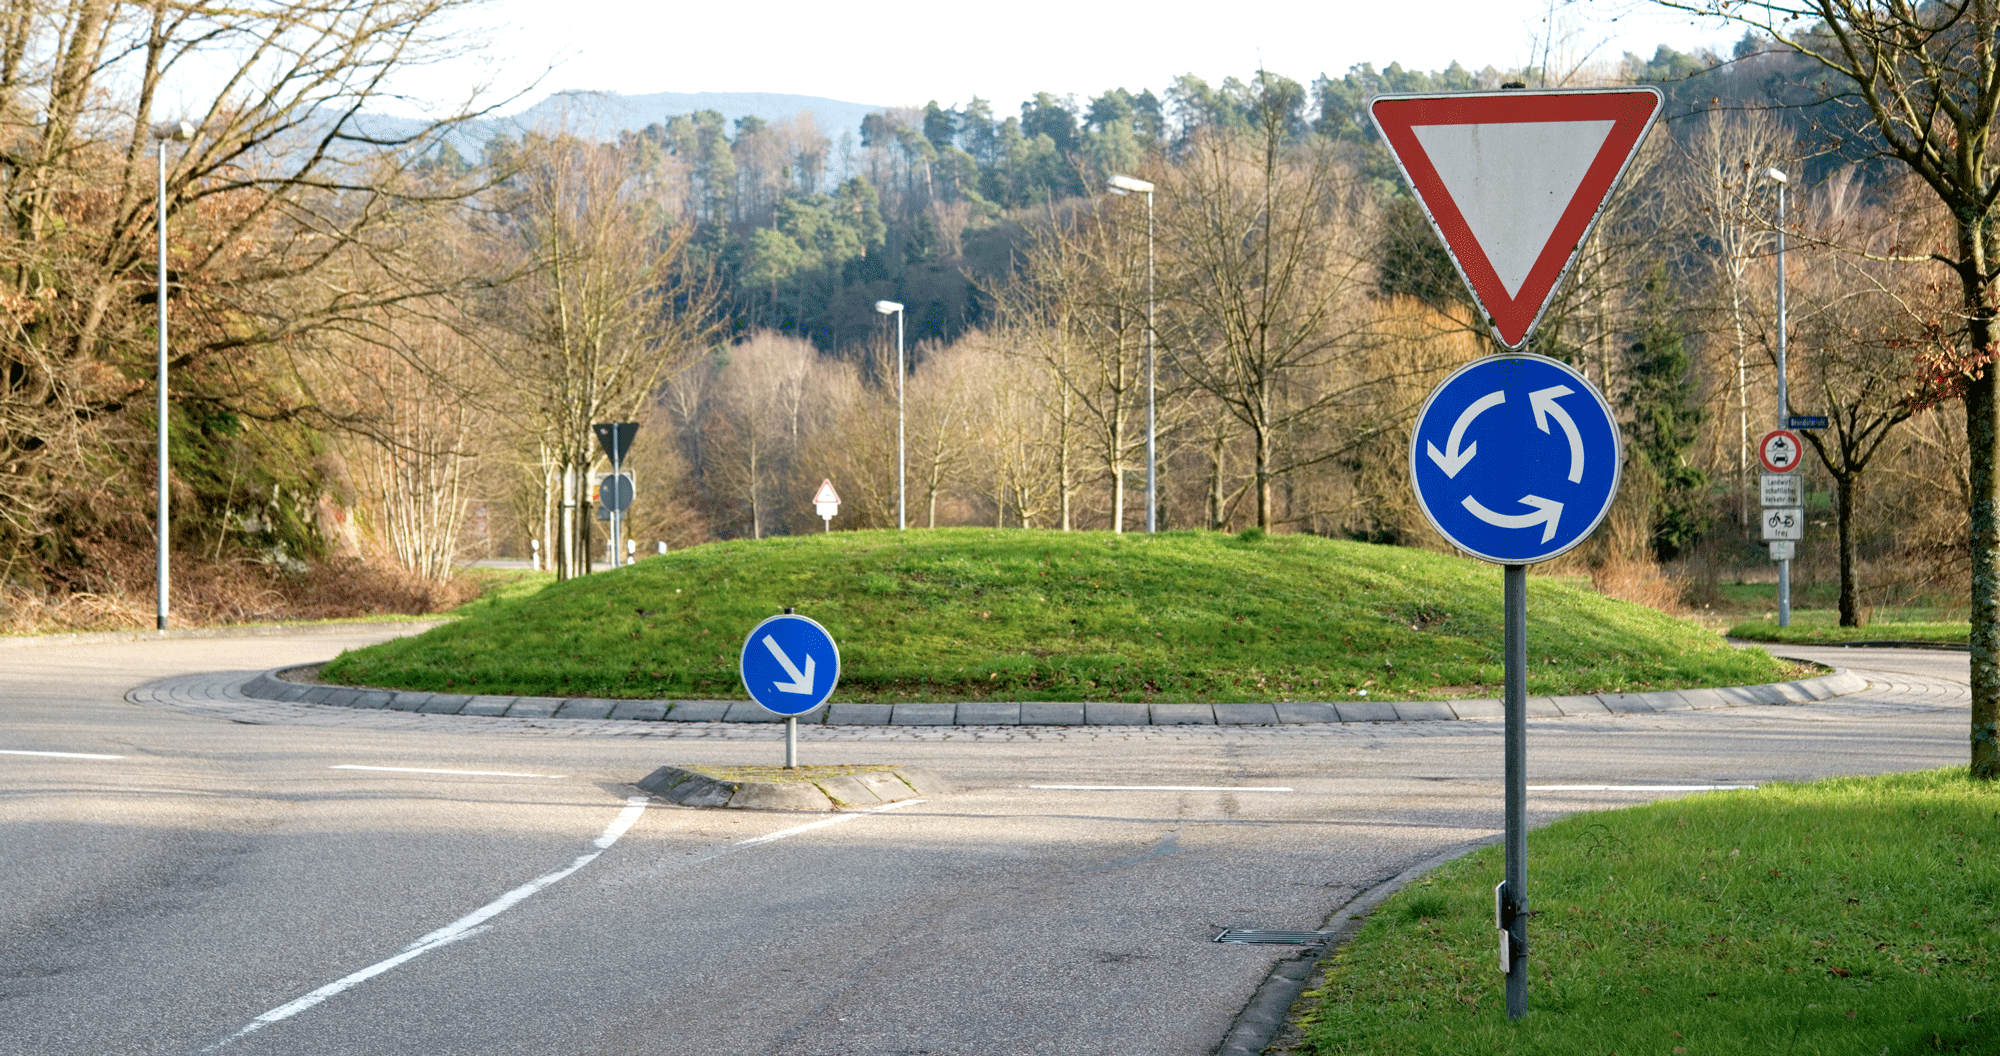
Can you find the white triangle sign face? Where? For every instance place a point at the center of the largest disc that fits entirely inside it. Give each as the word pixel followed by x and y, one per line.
pixel 826 496
pixel 1514 181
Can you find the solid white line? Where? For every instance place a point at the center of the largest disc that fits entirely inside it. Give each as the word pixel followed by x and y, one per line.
pixel 823 822
pixel 59 755
pixel 420 770
pixel 1639 788
pixel 464 927
pixel 1158 788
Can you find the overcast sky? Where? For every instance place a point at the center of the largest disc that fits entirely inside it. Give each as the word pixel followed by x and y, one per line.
pixel 904 52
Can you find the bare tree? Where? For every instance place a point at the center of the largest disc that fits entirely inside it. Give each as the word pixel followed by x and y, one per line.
pixel 1925 83
pixel 1265 278
pixel 609 306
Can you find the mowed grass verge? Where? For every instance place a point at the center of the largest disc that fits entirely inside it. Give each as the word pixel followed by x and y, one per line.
pixel 1823 628
pixel 972 614
pixel 1852 916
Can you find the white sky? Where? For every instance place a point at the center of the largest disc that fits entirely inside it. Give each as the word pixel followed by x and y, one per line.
pixel 904 52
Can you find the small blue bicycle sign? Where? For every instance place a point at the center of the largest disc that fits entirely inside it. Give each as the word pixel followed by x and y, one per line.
pixel 1515 458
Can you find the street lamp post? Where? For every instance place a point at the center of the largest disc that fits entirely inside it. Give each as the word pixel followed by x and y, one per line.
pixel 887 307
pixel 1130 185
pixel 1784 401
pixel 182 131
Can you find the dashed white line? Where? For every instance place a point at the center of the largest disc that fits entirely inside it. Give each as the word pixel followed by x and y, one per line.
pixel 422 770
pixel 464 927
pixel 58 755
pixel 1159 788
pixel 1640 788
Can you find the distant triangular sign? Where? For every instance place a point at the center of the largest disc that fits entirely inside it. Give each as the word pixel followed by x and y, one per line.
pixel 1514 182
pixel 826 496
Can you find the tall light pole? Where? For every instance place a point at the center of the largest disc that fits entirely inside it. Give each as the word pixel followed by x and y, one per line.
pixel 1784 404
pixel 887 307
pixel 182 131
pixel 1130 185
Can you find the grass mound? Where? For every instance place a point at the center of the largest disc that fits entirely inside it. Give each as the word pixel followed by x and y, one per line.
pixel 973 614
pixel 1856 915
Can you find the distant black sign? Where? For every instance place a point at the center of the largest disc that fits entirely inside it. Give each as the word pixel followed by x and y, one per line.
pixel 615 438
pixel 615 494
pixel 1806 421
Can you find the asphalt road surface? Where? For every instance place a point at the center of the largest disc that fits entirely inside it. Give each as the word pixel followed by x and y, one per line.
pixel 217 875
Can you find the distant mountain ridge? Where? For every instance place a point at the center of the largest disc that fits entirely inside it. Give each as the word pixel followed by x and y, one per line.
pixel 603 115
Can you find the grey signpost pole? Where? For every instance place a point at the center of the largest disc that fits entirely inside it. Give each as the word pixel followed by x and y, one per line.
pixel 1514 901
pixel 617 511
pixel 1784 399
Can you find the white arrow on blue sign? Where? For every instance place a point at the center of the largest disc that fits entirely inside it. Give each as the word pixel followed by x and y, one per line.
pixel 1515 458
pixel 789 664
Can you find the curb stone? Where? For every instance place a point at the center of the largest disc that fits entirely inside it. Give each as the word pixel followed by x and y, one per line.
pixel 270 685
pixel 1270 1020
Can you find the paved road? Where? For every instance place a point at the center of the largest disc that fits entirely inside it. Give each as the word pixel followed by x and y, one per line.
pixel 222 886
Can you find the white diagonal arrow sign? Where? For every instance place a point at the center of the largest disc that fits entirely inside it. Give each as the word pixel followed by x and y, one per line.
pixel 1451 459
pixel 1547 512
pixel 802 681
pixel 1544 403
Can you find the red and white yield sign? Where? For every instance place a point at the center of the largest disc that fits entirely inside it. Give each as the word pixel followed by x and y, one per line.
pixel 826 502
pixel 1514 181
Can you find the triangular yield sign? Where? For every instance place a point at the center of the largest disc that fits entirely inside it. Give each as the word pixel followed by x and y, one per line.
pixel 827 494
pixel 1514 181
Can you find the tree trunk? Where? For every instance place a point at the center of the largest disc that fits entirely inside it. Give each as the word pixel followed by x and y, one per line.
pixel 1982 435
pixel 1982 431
pixel 1846 487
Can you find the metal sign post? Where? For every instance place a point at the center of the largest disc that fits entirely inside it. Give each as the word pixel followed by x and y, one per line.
pixel 616 439
pixel 789 665
pixel 1781 452
pixel 1515 459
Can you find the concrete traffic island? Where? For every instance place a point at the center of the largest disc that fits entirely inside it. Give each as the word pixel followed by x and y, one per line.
pixel 833 787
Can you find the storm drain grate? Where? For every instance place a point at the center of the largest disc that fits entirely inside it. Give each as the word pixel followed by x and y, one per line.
pixel 1268 937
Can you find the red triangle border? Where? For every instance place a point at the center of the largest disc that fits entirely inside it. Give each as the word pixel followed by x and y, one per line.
pixel 1514 317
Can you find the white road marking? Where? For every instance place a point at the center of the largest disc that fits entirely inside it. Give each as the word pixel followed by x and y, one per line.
pixel 1158 788
pixel 1639 788
pixel 59 755
pixel 823 822
pixel 464 927
pixel 421 770
pixel 475 922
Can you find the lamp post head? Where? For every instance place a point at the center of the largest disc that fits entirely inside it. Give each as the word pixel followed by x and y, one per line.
pixel 1122 184
pixel 180 130
pixel 888 307
pixel 1776 174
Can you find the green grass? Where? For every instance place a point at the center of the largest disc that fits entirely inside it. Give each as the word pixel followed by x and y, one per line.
pixel 1853 916
pixel 1815 628
pixel 967 614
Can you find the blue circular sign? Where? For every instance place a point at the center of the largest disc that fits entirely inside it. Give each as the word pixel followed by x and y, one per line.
pixel 1515 458
pixel 789 664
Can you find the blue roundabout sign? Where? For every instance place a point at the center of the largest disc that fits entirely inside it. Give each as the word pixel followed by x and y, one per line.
pixel 789 664
pixel 1515 458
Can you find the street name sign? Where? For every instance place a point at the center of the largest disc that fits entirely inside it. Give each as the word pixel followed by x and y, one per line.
pixel 1785 524
pixel 1515 458
pixel 1514 181
pixel 789 664
pixel 1778 489
pixel 1779 450
pixel 1806 421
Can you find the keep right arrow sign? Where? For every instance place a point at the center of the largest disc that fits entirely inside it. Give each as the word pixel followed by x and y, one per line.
pixel 1514 182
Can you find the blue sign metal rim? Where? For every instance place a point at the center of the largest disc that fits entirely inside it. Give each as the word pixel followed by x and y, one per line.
pixel 743 655
pixel 1617 462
